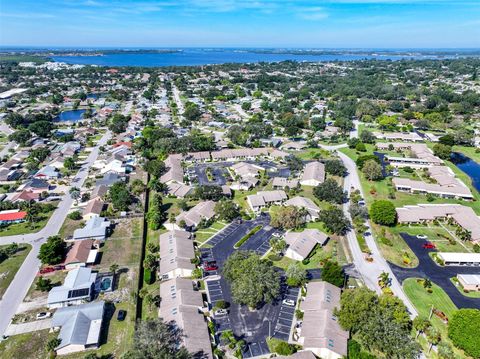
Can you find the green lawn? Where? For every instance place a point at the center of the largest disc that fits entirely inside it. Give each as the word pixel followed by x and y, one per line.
pixel 30 345
pixel 202 235
pixel 423 302
pixel 468 151
pixel 313 153
pixel 25 228
pixel 10 266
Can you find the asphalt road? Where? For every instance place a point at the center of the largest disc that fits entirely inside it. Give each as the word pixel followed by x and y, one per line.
pixel 427 268
pixel 369 271
pixel 25 276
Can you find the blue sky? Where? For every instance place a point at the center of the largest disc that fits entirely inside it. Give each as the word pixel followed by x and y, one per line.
pixel 241 23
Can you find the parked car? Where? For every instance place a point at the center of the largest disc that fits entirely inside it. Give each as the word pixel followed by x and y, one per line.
pixel 289 302
pixel 210 266
pixel 220 312
pixel 361 203
pixel 59 267
pixel 421 236
pixel 428 245
pixel 121 315
pixel 47 270
pixel 277 234
pixel 44 315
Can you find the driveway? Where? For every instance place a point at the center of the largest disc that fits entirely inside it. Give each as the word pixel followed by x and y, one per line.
pixel 437 274
pixel 272 319
pixel 22 328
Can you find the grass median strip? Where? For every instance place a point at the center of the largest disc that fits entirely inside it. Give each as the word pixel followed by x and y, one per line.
pixel 247 236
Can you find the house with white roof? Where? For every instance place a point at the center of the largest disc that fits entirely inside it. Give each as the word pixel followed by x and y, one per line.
pixel 77 288
pixel 306 203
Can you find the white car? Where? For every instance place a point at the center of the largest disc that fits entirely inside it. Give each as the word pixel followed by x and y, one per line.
pixel 289 302
pixel 421 236
pixel 44 315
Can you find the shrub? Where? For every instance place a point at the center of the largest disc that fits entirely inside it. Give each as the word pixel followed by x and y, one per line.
pixel 148 276
pixel 76 216
pixel 383 212
pixel 463 329
pixel 280 347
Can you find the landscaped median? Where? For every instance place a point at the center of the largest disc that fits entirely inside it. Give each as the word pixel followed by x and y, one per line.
pixel 247 236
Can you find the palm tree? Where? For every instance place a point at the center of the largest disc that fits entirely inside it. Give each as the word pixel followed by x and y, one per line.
pixel 114 268
pixel 75 194
pixel 427 283
pixel 434 337
pixel 421 324
pixel 384 279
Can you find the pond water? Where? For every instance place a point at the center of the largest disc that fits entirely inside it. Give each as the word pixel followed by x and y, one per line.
pixel 70 116
pixel 469 166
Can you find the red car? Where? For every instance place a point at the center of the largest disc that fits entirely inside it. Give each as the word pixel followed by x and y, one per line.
pixel 47 270
pixel 210 266
pixel 428 245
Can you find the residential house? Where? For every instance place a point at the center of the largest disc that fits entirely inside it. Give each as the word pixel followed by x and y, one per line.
pixel 176 254
pixel 459 259
pixel 47 173
pixel 78 288
pixel 95 228
pixel 306 203
pixel 12 216
pixel 184 306
pixel 463 216
pixel 320 331
pixel 469 282
pixel 80 254
pixel 264 199
pixel 282 183
pixel 93 209
pixel 202 211
pixel 301 244
pixel 313 174
pixel 80 327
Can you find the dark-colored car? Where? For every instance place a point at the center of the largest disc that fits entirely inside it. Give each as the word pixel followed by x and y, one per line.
pixel 121 315
pixel 210 266
pixel 428 245
pixel 47 270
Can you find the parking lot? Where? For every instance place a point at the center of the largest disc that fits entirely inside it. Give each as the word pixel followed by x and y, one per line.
pixel 427 268
pixel 272 319
pixel 219 173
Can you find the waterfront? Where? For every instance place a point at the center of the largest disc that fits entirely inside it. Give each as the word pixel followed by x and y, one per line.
pixel 196 57
pixel 469 166
pixel 70 116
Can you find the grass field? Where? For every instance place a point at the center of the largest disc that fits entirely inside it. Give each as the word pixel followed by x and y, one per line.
pixel 423 302
pixel 10 266
pixel 30 345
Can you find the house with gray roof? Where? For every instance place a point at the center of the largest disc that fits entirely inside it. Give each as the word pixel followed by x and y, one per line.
pixel 77 288
pixel 79 327
pixel 95 228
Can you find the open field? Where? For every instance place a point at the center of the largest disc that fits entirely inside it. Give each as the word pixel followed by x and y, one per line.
pixel 423 302
pixel 10 266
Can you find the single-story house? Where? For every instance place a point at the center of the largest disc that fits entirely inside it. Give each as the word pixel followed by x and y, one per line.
pixel 93 209
pixel 282 183
pixel 470 282
pixel 301 244
pixel 203 210
pixel 95 228
pixel 313 174
pixel 77 288
pixel 80 327
pixel 183 305
pixel 80 254
pixel 265 198
pixel 306 203
pixel 460 259
pixel 320 331
pixel 12 216
pixel 47 172
pixel 176 254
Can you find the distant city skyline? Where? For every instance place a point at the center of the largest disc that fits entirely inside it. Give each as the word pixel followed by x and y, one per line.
pixel 242 23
